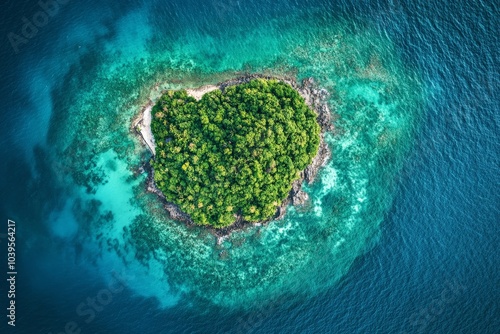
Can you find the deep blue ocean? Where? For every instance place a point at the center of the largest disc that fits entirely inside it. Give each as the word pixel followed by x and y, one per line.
pixel 403 233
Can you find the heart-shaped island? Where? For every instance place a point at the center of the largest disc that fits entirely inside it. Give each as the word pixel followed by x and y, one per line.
pixel 239 153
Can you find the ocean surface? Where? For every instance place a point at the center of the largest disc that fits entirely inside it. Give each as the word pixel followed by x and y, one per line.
pixel 402 232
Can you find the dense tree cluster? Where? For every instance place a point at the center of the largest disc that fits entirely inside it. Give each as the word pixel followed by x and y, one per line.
pixel 234 153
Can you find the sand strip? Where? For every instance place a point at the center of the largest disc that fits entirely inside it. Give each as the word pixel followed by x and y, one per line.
pixel 197 93
pixel 143 126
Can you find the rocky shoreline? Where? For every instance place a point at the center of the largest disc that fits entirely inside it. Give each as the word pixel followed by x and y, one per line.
pixel 314 97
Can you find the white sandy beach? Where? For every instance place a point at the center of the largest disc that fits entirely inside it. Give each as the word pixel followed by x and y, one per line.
pixel 145 128
pixel 197 93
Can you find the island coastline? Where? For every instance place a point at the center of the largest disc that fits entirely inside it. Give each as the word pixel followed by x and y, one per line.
pixel 315 98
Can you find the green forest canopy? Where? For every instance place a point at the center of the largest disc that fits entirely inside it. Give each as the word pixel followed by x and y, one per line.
pixel 232 153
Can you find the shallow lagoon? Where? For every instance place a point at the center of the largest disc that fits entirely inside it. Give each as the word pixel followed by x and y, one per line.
pixel 376 100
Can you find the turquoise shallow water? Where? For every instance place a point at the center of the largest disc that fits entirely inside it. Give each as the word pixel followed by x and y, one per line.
pixel 379 219
pixel 376 101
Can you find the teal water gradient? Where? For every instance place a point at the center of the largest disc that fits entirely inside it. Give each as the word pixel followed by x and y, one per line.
pixel 406 208
pixel 376 100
